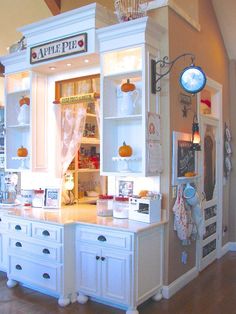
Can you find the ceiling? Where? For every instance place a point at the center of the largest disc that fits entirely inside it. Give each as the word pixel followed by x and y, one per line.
pixel 17 13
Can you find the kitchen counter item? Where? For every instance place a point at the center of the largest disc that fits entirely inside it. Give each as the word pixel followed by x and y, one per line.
pixel 121 207
pixel 38 198
pixel 105 205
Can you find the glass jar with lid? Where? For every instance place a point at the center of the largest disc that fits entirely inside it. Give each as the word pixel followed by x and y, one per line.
pixel 105 205
pixel 121 207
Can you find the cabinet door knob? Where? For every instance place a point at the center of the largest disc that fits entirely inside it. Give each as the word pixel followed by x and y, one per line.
pixel 18 244
pixel 97 257
pixel 46 233
pixel 103 258
pixel 46 251
pixel 0 219
pixel 46 276
pixel 18 227
pixel 18 267
pixel 102 238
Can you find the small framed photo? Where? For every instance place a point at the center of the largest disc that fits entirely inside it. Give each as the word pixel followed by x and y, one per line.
pixel 52 198
pixel 126 188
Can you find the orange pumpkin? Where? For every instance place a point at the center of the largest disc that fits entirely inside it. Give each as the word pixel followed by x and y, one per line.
pixel 22 152
pixel 127 87
pixel 24 101
pixel 125 150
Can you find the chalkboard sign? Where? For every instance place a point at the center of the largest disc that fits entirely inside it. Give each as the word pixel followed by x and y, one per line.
pixel 183 159
pixel 186 158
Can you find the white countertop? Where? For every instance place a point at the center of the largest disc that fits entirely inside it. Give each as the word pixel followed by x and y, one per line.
pixel 83 214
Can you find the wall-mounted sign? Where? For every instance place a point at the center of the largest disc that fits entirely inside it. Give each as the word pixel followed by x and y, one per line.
pixel 59 48
pixel 75 99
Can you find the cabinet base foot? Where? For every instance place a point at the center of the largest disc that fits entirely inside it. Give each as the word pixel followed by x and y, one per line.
pixel 73 297
pixel 158 296
pixel 82 299
pixel 11 283
pixel 63 302
pixel 132 311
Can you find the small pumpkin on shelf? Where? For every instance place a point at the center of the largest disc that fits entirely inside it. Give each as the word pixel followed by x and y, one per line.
pixel 127 87
pixel 22 152
pixel 24 101
pixel 125 150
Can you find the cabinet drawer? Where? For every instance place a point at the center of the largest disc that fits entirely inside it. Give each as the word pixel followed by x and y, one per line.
pixel 47 232
pixel 46 252
pixel 104 237
pixel 3 223
pixel 19 226
pixel 46 277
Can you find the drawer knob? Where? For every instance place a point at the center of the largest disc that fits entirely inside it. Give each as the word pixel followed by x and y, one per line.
pixel 102 238
pixel 0 219
pixel 18 267
pixel 46 276
pixel 18 244
pixel 46 233
pixel 103 258
pixel 46 251
pixel 97 257
pixel 18 227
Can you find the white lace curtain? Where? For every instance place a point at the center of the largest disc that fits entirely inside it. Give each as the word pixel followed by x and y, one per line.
pixel 72 127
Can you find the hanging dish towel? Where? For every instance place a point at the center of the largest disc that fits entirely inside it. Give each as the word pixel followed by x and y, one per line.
pixel 181 218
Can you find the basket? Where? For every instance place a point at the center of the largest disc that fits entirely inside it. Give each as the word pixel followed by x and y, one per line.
pixel 127 10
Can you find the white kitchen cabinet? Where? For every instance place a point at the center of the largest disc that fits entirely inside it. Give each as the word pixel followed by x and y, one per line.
pixel 126 53
pixel 3 242
pixel 104 273
pixel 30 132
pixel 118 267
pixel 41 256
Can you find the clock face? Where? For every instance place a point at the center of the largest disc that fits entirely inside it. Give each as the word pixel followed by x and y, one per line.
pixel 192 79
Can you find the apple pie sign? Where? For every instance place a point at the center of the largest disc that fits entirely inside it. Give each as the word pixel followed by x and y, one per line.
pixel 59 48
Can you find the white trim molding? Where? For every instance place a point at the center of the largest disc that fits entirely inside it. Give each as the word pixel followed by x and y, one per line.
pixel 179 283
pixel 181 12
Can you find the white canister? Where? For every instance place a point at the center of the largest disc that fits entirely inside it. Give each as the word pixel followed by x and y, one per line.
pixel 26 197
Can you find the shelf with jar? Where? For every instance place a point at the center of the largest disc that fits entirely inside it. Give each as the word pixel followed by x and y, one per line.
pixel 25 95
pixel 126 53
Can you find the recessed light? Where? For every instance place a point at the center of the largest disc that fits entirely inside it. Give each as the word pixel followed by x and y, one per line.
pixel 68 64
pixel 86 60
pixel 52 68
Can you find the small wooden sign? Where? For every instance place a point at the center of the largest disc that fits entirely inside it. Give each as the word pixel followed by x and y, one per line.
pixel 75 99
pixel 59 48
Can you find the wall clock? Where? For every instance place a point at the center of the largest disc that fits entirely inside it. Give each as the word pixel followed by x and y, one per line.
pixel 192 79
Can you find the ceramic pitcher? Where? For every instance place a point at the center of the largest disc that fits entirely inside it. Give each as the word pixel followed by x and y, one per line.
pixel 23 115
pixel 128 102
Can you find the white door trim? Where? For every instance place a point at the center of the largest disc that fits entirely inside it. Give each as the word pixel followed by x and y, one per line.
pixel 216 90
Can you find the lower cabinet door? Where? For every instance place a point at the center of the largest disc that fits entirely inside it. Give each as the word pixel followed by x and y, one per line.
pixel 88 270
pixel 116 275
pixel 34 274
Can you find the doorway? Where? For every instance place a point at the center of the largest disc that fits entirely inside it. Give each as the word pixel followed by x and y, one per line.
pixel 211 173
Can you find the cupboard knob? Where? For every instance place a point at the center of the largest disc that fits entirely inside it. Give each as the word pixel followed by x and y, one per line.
pixel 97 257
pixel 0 219
pixel 46 251
pixel 18 227
pixel 18 244
pixel 46 276
pixel 18 267
pixel 46 233
pixel 102 238
pixel 103 258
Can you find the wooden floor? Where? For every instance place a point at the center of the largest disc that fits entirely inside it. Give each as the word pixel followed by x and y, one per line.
pixel 212 292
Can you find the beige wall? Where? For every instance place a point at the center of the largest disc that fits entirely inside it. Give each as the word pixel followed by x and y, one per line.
pixel 207 45
pixel 73 4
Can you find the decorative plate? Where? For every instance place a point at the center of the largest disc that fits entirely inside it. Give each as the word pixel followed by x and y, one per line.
pixel 228 147
pixel 228 164
pixel 228 133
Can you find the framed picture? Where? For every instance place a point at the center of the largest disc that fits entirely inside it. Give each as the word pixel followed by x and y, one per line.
pixel 52 198
pixel 126 188
pixel 183 157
